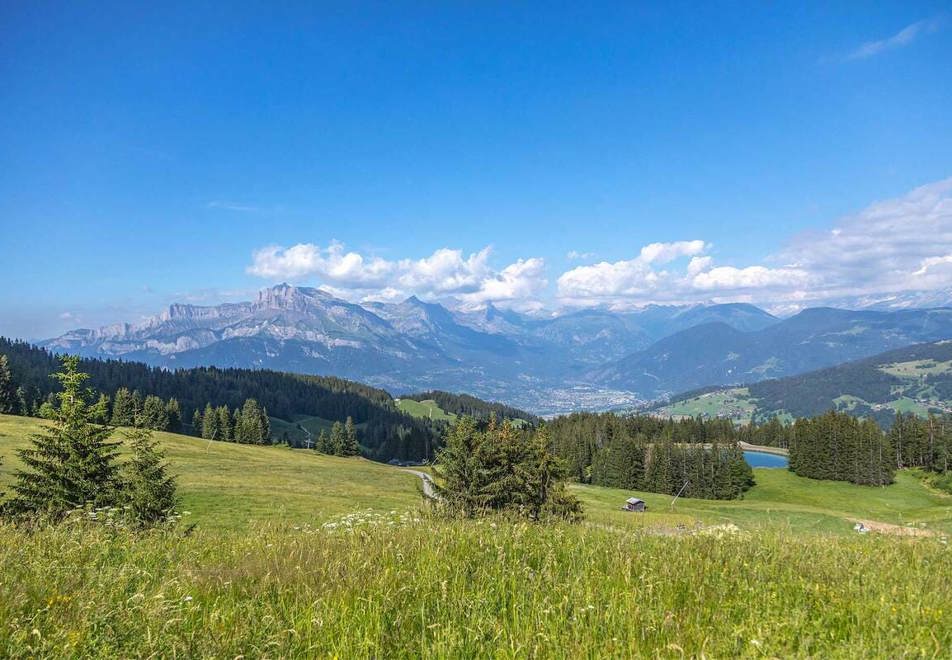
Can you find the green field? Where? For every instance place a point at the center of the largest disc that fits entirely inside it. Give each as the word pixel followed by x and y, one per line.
pixel 226 485
pixel 734 403
pixel 917 368
pixel 428 409
pixel 302 555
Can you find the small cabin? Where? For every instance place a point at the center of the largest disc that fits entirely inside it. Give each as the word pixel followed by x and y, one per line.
pixel 634 504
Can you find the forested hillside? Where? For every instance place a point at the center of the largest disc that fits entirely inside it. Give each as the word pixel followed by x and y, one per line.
pixel 385 432
pixel 916 379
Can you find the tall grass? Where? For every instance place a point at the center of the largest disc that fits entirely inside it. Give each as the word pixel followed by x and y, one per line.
pixel 399 586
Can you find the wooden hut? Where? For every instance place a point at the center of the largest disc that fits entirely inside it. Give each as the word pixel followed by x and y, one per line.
pixel 634 504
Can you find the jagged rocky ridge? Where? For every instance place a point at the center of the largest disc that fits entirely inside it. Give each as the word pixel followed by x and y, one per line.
pixel 586 359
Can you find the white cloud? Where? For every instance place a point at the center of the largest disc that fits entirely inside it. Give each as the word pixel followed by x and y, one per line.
pixel 447 273
pixel 574 255
pixel 895 247
pixel 730 278
pixel 662 253
pixel 904 37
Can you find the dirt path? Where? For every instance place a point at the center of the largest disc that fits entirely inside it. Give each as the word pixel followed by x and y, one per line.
pixel 428 490
pixel 895 530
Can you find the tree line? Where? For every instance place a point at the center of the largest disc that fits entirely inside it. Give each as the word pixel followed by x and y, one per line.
pixel 248 424
pixel 386 432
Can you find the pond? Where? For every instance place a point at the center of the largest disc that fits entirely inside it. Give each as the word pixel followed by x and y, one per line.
pixel 760 459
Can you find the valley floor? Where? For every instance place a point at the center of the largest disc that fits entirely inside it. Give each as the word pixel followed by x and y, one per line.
pixel 297 554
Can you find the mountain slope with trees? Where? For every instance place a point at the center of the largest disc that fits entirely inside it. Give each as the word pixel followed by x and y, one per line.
pixel 916 379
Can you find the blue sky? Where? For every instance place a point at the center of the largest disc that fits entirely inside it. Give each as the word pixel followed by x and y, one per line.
pixel 178 152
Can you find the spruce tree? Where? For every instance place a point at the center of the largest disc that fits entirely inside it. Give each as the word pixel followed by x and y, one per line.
pixel 225 430
pixel 99 413
pixel 23 406
pixel 154 414
pixel 123 408
pixel 148 488
pixel 337 439
pixel 350 446
pixel 71 463
pixel 8 391
pixel 173 414
pixel 197 423
pixel 210 423
pixel 323 444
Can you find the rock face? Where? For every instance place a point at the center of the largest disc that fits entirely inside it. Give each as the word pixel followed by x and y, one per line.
pixel 590 358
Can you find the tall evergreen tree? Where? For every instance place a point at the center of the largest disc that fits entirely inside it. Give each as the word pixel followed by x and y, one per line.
pixel 323 443
pixel 210 423
pixel 99 412
pixel 148 488
pixel 173 414
pixel 197 423
pixel 350 446
pixel 225 430
pixel 154 415
pixel 8 393
pixel 338 439
pixel 123 408
pixel 71 462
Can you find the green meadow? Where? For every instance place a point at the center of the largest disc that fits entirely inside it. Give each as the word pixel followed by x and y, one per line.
pixel 295 554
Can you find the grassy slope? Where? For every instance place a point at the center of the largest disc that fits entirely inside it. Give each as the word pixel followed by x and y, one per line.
pixel 226 485
pixel 428 409
pixel 386 586
pixel 782 499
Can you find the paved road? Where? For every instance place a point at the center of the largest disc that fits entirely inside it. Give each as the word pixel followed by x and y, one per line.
pixel 428 490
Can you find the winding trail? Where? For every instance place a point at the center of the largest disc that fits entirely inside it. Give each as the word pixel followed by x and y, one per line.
pixel 428 490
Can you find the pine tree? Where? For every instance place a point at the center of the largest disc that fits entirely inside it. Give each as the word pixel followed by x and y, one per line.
pixel 337 439
pixel 136 408
pixel 265 427
pixel 154 414
pixel 173 414
pixel 23 406
pixel 71 463
pixel 8 393
pixel 148 489
pixel 225 430
pixel 350 446
pixel 99 413
pixel 123 408
pixel 197 423
pixel 324 443
pixel 210 423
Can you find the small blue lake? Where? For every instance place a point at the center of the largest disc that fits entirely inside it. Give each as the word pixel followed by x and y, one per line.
pixel 762 459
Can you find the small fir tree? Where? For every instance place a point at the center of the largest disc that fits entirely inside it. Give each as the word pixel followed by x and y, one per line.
pixel 148 489
pixel 71 463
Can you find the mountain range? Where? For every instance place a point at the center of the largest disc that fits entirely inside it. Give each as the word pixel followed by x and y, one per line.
pixel 593 358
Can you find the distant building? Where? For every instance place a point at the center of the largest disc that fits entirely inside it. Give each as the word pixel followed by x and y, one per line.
pixel 634 504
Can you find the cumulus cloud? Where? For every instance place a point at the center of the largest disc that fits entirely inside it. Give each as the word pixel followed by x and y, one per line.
pixel 900 246
pixel 447 273
pixel 904 37
pixel 897 245
pixel 896 249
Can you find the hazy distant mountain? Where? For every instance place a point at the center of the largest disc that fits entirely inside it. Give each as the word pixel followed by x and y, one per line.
pixel 587 358
pixel 915 378
pixel 718 354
